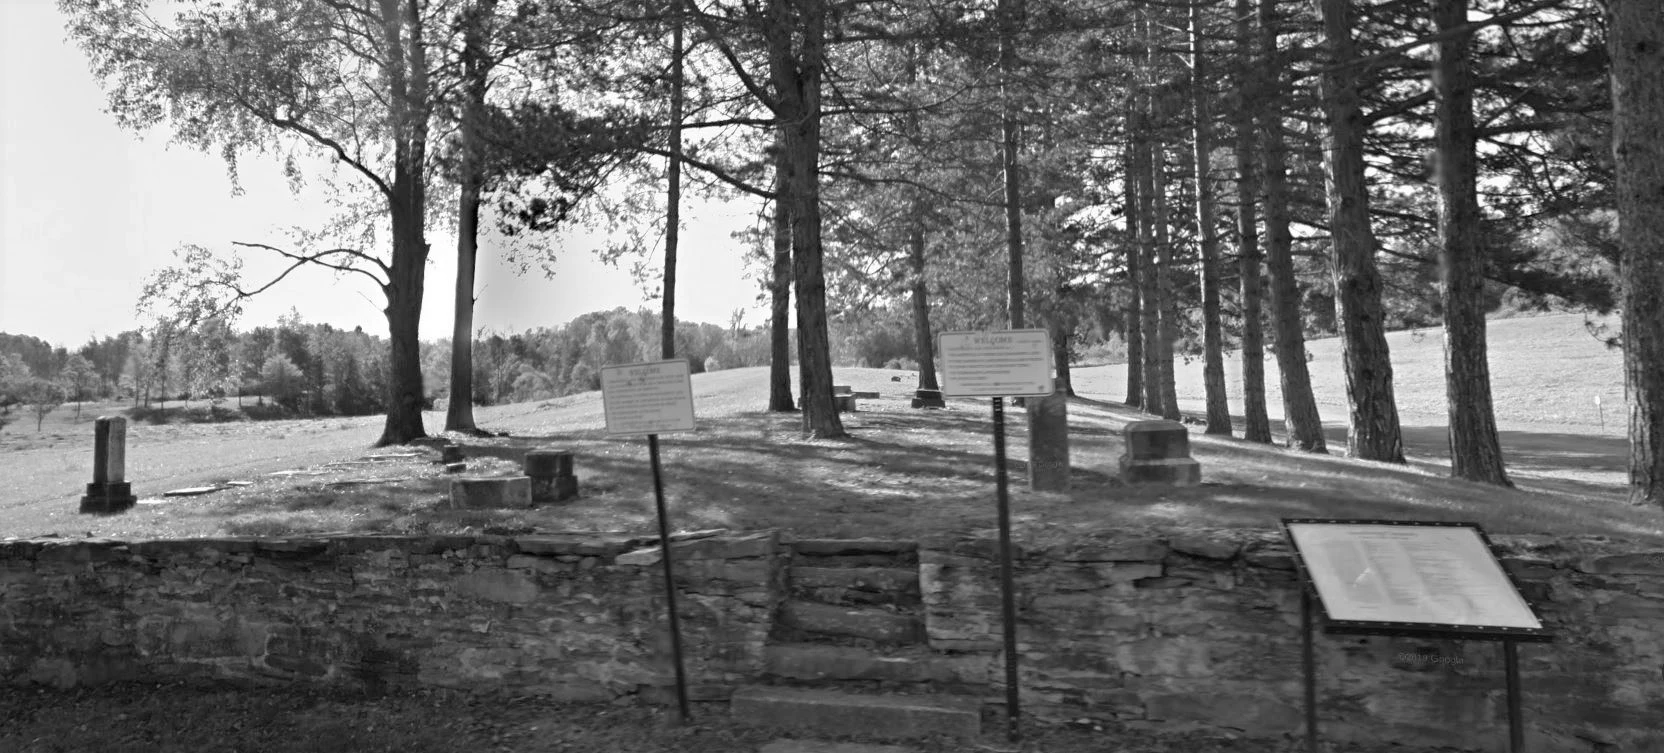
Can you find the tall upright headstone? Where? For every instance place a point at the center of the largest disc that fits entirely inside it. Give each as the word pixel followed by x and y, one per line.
pixel 109 491
pixel 1048 443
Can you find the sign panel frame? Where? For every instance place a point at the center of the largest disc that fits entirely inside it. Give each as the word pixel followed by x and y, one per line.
pixel 1347 561
pixel 996 363
pixel 648 397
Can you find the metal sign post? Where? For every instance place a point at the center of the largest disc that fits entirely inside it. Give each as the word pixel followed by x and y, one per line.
pixel 650 398
pixel 999 364
pixel 1409 578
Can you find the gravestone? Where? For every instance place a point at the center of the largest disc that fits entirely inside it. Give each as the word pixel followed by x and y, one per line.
pixel 491 491
pixel 450 453
pixel 551 473
pixel 1048 443
pixel 928 399
pixel 109 491
pixel 845 403
pixel 1158 452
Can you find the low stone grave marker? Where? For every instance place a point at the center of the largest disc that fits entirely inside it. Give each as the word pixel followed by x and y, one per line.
pixel 551 473
pixel 193 491
pixel 845 403
pixel 491 491
pixel 109 491
pixel 1158 452
pixel 928 399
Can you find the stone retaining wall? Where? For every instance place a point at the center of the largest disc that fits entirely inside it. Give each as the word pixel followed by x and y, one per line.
pixel 1204 630
pixel 1170 631
pixel 566 616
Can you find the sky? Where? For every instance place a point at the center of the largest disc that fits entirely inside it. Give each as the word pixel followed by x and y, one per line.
pixel 89 210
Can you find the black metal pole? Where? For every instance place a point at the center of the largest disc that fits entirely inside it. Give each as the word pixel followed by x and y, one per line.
pixel 1516 721
pixel 669 581
pixel 1008 596
pixel 1309 658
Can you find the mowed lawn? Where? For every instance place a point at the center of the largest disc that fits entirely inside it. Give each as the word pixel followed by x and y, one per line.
pixel 902 472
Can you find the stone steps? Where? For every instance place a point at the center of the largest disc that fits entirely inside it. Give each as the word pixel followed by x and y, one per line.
pixel 887 717
pixel 815 662
pixel 897 586
pixel 854 620
pixel 807 621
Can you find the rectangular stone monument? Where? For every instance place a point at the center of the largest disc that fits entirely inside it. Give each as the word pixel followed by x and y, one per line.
pixel 1159 452
pixel 109 491
pixel 551 473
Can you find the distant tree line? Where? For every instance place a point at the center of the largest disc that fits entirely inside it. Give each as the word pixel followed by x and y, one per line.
pixel 297 368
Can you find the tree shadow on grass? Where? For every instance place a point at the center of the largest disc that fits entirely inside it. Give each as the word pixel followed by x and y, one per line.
pixel 910 474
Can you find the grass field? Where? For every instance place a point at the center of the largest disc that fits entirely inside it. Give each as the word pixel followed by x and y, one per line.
pixel 902 472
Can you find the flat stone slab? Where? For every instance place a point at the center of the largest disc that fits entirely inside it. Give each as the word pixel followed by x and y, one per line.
pixel 192 491
pixel 823 746
pixel 890 716
pixel 895 579
pixel 877 625
pixel 491 491
pixel 828 547
pixel 816 661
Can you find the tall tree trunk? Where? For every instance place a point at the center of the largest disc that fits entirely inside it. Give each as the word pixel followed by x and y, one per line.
pixel 1167 299
pixel 1009 11
pixel 919 287
pixel 1213 337
pixel 797 79
pixel 780 291
pixel 1148 280
pixel 1300 416
pixel 1373 430
pixel 1475 450
pixel 920 297
pixel 459 408
pixel 1256 423
pixel 1132 320
pixel 673 190
pixel 407 202
pixel 1636 45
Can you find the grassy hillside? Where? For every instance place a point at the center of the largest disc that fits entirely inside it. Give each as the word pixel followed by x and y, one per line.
pixel 902 472
pixel 1544 370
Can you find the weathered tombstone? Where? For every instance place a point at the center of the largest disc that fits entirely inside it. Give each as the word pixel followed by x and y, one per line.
pixel 491 491
pixel 842 389
pixel 450 453
pixel 844 403
pixel 1048 443
pixel 928 399
pixel 551 473
pixel 109 491
pixel 1158 452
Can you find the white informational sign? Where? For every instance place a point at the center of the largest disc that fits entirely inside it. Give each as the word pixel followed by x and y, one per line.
pixel 655 397
pixel 1435 574
pixel 996 363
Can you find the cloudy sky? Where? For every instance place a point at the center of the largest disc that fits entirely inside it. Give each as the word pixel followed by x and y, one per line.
pixel 88 210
